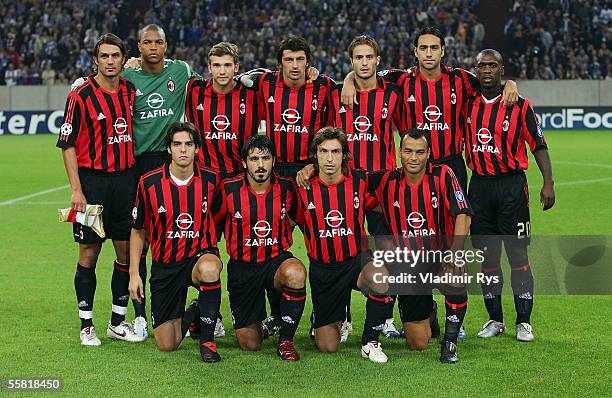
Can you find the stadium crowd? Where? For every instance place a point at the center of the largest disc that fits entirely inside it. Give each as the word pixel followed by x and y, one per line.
pixel 560 39
pixel 50 41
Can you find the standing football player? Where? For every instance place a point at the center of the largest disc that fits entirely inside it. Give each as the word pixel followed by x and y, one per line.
pixel 97 147
pixel 496 139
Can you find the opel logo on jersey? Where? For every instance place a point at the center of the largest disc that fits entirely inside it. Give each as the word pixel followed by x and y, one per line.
pixel 432 113
pixel 484 136
pixel 221 122
pixel 120 125
pixel 334 218
pixel 155 101
pixel 362 123
pixel 415 220
pixel 291 116
pixel 184 221
pixel 262 228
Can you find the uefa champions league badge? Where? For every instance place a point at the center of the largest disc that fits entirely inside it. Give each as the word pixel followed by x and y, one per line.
pixel 170 85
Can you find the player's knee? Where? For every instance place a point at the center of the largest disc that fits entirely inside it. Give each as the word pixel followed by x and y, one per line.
pixel 249 344
pixel 209 271
pixel 294 275
pixel 327 347
pixel 166 346
pixel 417 344
pixel 88 255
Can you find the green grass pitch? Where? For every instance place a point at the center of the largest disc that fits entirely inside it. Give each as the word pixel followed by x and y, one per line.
pixel 39 337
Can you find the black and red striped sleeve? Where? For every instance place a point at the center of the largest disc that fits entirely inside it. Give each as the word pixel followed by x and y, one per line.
pixel 140 216
pixel 395 76
pixel 532 131
pixel 455 200
pixel 73 118
pixel 471 83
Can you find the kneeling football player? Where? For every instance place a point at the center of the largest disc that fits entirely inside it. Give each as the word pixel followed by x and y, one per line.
pixel 255 208
pixel 331 215
pixel 173 205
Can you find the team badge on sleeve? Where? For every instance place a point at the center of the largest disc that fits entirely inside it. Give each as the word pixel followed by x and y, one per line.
pixel 135 212
pixel 459 196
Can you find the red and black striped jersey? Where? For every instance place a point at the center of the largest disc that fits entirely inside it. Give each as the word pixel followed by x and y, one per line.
pixel 369 125
pixel 294 115
pixel 496 136
pixel 423 212
pixel 98 124
pixel 331 217
pixel 435 105
pixel 225 122
pixel 256 226
pixel 177 217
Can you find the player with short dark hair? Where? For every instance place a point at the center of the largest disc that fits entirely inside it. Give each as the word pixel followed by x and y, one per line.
pixel 97 147
pixel 295 107
pixel 173 205
pixel 496 139
pixel 425 206
pixel 331 215
pixel 255 208
pixel 226 112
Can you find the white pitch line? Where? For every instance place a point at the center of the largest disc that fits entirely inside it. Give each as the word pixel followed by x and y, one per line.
pixel 603 166
pixel 579 182
pixel 33 195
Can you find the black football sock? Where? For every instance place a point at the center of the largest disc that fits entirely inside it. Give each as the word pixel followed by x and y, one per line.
pixel 456 306
pixel 291 307
pixel 522 287
pixel 391 305
pixel 191 315
pixel 274 300
pixel 209 301
pixel 377 308
pixel 349 317
pixel 140 308
pixel 119 288
pixel 492 292
pixel 85 287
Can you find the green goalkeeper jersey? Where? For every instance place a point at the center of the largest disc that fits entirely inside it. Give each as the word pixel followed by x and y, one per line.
pixel 160 101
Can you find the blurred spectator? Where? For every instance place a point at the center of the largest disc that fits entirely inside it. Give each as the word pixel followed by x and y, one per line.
pixel 48 75
pixel 559 39
pixel 12 75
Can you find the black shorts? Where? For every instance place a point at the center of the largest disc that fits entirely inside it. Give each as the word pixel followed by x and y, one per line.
pixel 377 225
pixel 289 169
pixel 114 191
pixel 501 207
pixel 457 164
pixel 247 284
pixel 413 308
pixel 149 161
pixel 169 284
pixel 331 286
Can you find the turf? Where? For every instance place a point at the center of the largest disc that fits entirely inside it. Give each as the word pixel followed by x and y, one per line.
pixel 40 335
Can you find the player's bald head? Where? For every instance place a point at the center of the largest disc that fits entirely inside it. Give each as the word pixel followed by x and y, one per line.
pixel 149 28
pixel 491 53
